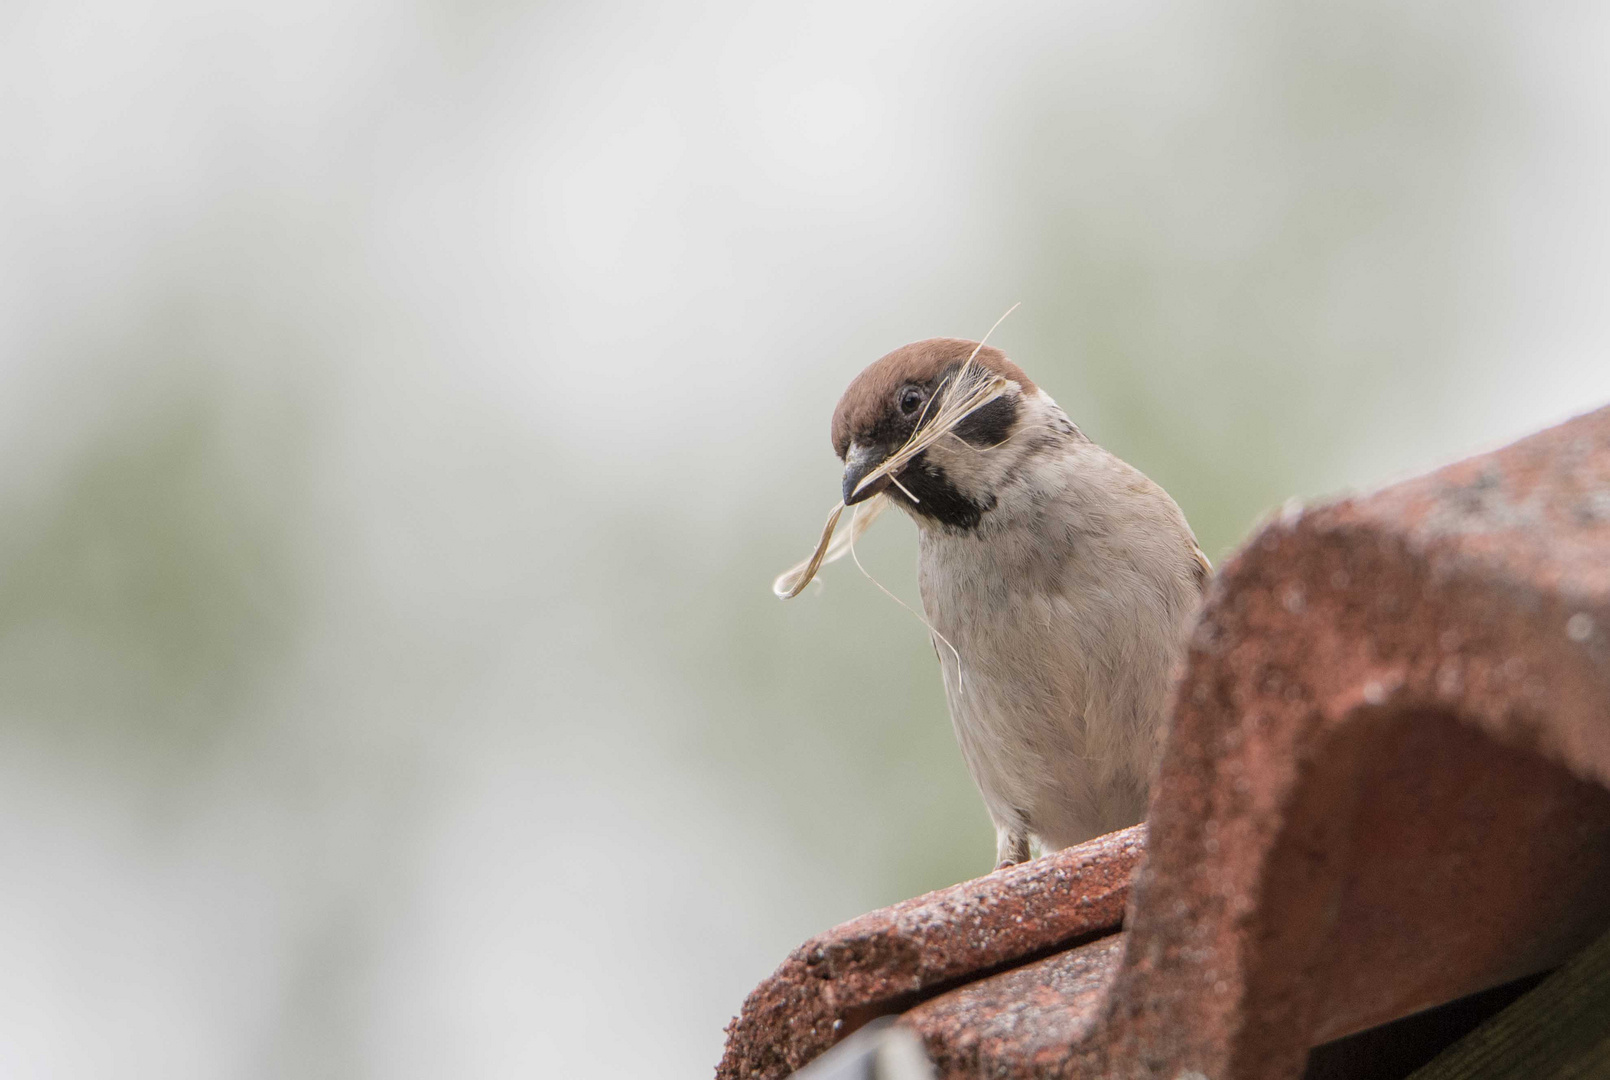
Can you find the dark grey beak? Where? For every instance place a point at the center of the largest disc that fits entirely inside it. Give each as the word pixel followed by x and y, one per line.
pixel 857 463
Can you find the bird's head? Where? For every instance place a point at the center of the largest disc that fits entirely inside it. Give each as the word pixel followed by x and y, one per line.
pixel 956 480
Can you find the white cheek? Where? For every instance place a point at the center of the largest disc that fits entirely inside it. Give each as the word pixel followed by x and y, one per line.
pixel 977 472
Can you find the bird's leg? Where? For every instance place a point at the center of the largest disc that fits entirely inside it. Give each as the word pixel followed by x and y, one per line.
pixel 1011 845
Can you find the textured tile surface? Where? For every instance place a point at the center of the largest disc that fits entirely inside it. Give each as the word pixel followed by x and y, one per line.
pixel 888 960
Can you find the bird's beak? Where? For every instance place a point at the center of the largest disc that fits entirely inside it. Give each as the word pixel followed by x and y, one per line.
pixel 857 463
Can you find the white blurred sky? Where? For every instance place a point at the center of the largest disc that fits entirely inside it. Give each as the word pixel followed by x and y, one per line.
pixel 636 250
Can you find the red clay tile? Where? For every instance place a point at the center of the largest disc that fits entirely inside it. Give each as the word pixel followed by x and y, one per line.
pixel 1385 785
pixel 890 959
pixel 1025 1018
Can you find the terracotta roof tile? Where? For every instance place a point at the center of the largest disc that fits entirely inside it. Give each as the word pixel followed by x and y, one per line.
pixel 1030 1014
pixel 888 960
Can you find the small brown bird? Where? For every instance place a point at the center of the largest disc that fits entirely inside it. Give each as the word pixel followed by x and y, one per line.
pixel 1060 582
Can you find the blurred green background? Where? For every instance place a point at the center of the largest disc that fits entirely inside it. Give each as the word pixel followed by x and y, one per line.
pixel 404 408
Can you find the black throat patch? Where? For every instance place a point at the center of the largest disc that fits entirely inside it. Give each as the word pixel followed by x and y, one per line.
pixel 937 498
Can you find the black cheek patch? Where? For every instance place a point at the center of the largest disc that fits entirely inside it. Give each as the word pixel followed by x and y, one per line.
pixel 990 424
pixel 937 497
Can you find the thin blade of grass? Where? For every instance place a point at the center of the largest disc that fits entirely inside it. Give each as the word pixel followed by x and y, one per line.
pixel 958 398
pixel 830 548
pixel 790 583
pixel 951 413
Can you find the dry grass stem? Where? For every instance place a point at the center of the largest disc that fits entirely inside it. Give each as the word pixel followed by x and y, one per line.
pixel 958 397
pixel 961 685
pixel 792 582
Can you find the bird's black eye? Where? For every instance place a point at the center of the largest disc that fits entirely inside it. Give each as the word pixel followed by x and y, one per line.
pixel 910 400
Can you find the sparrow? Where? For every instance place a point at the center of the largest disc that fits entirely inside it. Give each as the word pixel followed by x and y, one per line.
pixel 1059 582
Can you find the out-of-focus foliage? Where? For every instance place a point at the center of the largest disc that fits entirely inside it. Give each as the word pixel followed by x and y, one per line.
pixel 404 408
